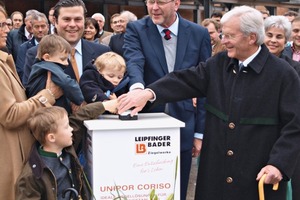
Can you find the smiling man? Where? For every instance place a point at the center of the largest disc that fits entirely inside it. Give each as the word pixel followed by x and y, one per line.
pixel 252 120
pixel 69 23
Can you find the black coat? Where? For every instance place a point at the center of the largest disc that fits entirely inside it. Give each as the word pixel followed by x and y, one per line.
pixel 252 120
pixel 15 38
pixel 94 86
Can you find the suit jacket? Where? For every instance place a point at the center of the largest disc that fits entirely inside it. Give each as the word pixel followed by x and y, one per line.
pixel 22 55
pixel 90 51
pixel 116 43
pixel 103 35
pixel 146 63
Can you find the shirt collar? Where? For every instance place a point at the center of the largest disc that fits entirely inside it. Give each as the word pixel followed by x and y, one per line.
pixel 78 47
pixel 173 28
pixel 249 59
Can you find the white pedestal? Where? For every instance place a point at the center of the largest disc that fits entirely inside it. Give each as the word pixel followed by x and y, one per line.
pixel 131 158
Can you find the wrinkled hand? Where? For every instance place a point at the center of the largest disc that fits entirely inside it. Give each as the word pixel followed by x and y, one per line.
pixel 273 175
pixel 55 90
pixel 197 147
pixel 111 106
pixel 136 99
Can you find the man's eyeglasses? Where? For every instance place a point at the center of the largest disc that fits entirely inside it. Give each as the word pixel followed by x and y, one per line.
pixel 119 21
pixel 158 2
pixel 3 25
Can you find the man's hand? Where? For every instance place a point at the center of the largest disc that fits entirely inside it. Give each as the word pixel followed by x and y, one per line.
pixel 53 88
pixel 136 99
pixel 273 174
pixel 197 147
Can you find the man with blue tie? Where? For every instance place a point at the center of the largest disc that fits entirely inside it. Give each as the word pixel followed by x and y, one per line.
pixel 150 54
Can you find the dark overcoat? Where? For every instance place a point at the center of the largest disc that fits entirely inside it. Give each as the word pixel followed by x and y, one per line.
pixel 253 120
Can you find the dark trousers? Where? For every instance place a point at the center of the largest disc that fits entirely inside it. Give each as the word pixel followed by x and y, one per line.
pixel 185 168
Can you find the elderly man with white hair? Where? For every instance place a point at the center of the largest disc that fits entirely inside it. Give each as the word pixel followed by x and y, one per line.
pixel 101 21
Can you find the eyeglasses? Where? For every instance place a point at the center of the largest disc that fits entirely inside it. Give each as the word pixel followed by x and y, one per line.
pixel 119 21
pixel 3 25
pixel 158 2
pixel 230 36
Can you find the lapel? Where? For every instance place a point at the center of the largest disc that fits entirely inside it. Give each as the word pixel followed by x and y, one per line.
pixel 156 44
pixel 182 42
pixel 87 53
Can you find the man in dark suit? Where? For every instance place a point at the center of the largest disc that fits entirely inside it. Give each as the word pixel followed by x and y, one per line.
pixel 253 108
pixel 40 28
pixel 149 56
pixel 117 41
pixel 17 37
pixel 72 31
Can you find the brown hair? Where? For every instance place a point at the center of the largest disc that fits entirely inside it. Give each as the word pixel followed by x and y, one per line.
pixel 110 59
pixel 44 121
pixel 208 21
pixel 2 9
pixel 52 44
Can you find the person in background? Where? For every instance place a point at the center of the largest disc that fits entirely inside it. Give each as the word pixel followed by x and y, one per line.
pixel 117 41
pixel 40 28
pixel 101 21
pixel 17 19
pixel 71 30
pixel 265 14
pixel 53 53
pixel 9 23
pixel 54 155
pixel 157 45
pixel 290 15
pixel 51 20
pixel 19 36
pixel 91 30
pixel 216 16
pixel 213 26
pixel 278 31
pixel 104 80
pixel 293 50
pixel 16 139
pixel 116 25
pixel 245 137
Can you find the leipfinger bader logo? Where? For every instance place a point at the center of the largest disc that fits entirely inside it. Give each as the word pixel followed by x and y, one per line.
pixel 145 142
pixel 140 148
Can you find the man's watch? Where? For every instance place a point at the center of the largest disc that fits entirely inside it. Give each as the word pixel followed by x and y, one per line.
pixel 44 101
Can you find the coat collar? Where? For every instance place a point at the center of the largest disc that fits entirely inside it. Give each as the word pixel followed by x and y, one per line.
pixel 257 64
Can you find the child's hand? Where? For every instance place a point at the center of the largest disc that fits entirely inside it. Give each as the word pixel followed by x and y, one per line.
pixel 111 106
pixel 112 96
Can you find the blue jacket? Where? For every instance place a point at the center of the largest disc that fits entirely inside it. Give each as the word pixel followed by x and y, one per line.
pixel 37 82
pixel 95 87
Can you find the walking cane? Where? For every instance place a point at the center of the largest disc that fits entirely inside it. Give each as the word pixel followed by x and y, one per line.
pixel 261 187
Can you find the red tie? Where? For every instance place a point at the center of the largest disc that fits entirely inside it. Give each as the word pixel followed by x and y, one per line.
pixel 167 34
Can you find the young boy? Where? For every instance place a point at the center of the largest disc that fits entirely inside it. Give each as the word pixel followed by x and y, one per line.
pixel 53 53
pixel 104 80
pixel 53 170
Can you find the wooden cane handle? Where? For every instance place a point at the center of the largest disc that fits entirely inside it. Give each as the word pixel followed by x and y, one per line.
pixel 261 187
